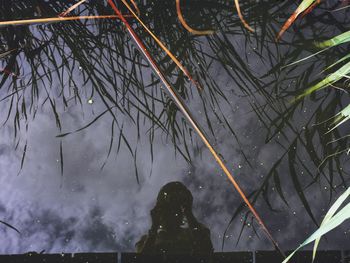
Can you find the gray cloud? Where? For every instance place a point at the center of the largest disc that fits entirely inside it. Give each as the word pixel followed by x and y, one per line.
pixel 92 210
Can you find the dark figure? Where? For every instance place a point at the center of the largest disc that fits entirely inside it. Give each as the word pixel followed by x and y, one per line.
pixel 174 229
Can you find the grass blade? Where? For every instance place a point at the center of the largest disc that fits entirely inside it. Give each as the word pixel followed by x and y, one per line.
pixel 61 157
pixel 297 185
pixel 10 226
pixel 337 62
pixel 23 157
pixel 85 126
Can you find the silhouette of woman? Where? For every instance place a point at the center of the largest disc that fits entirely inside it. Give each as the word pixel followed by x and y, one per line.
pixel 174 228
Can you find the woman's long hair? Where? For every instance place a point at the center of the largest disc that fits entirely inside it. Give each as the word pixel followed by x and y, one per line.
pixel 172 199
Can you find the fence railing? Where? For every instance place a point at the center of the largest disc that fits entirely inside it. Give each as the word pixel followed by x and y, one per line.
pixel 332 256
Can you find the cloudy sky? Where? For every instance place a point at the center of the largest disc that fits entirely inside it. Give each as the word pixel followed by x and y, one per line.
pixel 89 209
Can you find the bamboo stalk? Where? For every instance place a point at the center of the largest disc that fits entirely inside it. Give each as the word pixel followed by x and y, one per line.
pixel 179 102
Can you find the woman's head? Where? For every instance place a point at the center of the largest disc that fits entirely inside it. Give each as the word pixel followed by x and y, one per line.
pixel 172 200
pixel 175 193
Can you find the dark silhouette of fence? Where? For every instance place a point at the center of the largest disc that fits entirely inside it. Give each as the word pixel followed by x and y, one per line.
pixel 227 257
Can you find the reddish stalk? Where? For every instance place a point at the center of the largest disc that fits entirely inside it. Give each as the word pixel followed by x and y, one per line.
pixel 179 102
